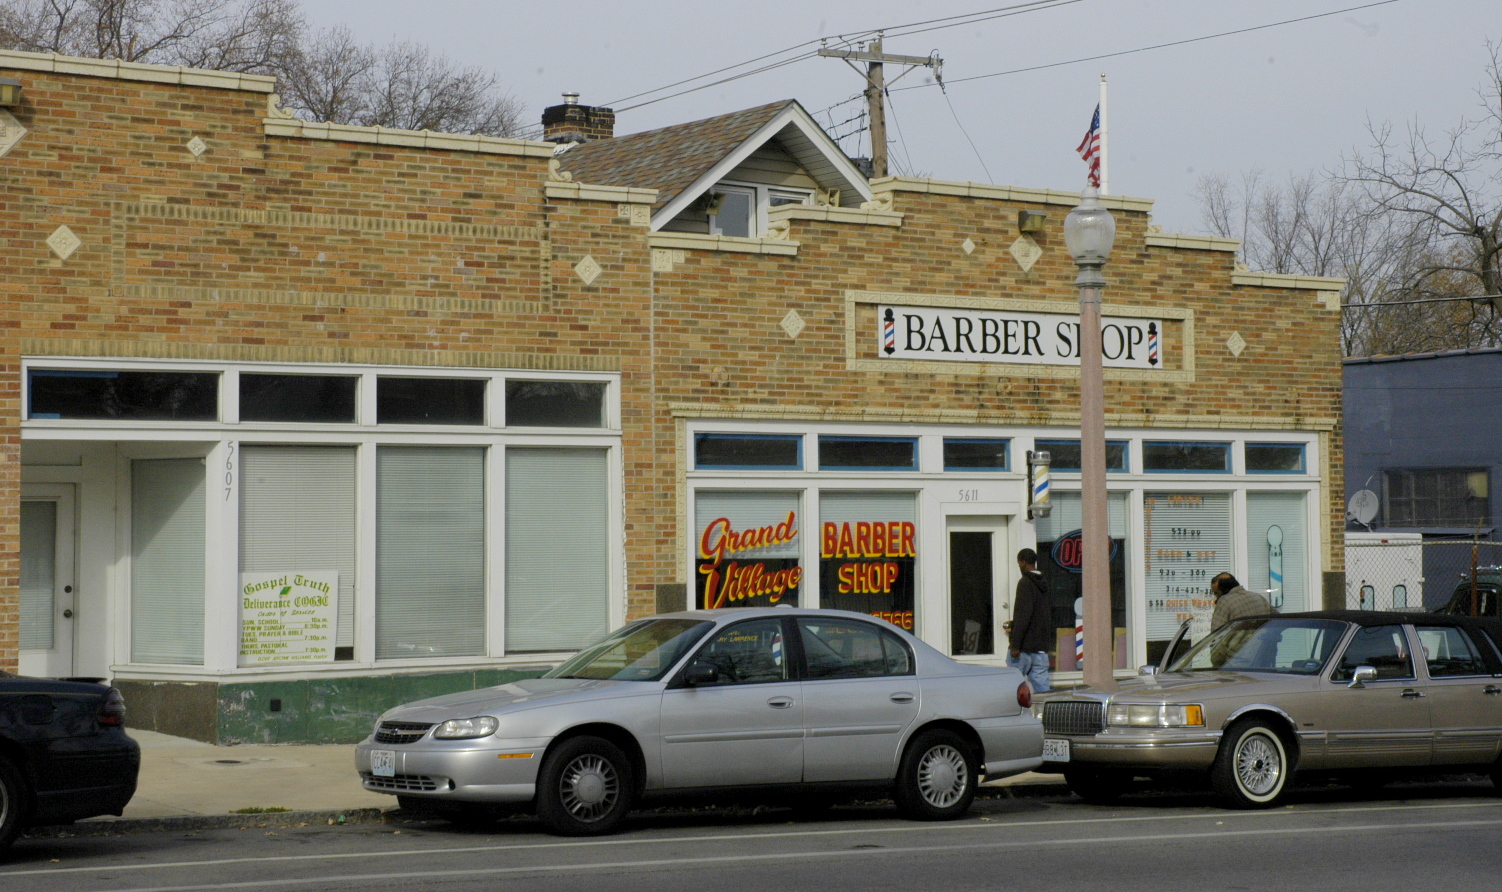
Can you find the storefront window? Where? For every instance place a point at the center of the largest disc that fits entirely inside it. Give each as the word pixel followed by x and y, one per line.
pixel 557 548
pixel 1064 455
pixel 868 453
pixel 304 398
pixel 868 554
pixel 430 400
pixel 1188 543
pixel 123 396
pixel 1164 455
pixel 555 404
pixel 1060 560
pixel 1275 458
pixel 167 561
pixel 1277 550
pixel 748 452
pixel 975 454
pixel 748 547
pixel 430 552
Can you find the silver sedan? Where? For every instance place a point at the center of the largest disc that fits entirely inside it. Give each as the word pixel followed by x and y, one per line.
pixel 811 703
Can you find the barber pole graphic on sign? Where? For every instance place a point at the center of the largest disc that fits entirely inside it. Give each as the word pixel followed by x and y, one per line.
pixel 952 334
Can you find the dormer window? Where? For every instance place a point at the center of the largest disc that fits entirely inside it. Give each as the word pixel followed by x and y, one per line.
pixel 739 210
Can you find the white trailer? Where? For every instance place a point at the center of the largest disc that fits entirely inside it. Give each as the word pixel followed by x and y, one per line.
pixel 1384 571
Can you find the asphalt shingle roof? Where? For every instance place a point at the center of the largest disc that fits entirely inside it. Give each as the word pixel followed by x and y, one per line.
pixel 668 159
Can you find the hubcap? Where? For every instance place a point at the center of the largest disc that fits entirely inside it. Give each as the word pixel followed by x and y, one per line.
pixel 1258 766
pixel 589 787
pixel 942 776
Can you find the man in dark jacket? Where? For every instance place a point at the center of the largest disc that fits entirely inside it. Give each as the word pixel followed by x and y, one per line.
pixel 1031 631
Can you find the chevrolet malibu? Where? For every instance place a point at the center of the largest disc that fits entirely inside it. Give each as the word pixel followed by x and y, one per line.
pixel 1354 694
pixel 807 703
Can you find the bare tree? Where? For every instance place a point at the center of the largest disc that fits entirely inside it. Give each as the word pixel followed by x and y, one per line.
pixel 322 76
pixel 404 85
pixel 231 35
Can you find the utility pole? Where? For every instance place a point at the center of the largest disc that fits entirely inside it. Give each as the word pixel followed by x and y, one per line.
pixel 876 90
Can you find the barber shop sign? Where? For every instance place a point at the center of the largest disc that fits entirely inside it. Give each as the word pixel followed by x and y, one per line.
pixel 959 335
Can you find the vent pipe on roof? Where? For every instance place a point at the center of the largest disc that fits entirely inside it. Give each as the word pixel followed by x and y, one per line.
pixel 574 123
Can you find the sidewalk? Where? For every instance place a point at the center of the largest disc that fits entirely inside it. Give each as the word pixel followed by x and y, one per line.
pixel 186 784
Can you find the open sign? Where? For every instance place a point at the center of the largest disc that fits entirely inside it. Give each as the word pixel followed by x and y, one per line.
pixel 1069 551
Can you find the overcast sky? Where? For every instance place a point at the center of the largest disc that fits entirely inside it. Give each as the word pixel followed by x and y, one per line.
pixel 1286 99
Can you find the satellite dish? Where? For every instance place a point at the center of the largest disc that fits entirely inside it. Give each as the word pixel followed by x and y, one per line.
pixel 1363 506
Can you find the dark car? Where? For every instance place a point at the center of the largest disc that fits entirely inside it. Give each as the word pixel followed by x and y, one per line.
pixel 64 754
pixel 1478 599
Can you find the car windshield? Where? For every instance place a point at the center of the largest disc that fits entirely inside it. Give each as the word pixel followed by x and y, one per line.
pixel 642 651
pixel 1265 644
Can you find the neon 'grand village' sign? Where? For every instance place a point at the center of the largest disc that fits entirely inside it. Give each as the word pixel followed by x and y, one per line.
pixel 962 335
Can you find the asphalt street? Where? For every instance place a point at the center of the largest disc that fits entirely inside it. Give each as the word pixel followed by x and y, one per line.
pixel 1416 836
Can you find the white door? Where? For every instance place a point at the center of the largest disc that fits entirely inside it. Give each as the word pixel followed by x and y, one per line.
pixel 980 599
pixel 48 542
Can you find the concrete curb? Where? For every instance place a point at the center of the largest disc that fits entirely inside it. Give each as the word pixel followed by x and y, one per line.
pixel 183 823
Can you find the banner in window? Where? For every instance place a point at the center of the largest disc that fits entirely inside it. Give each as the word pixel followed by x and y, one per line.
pixel 288 617
pixel 747 550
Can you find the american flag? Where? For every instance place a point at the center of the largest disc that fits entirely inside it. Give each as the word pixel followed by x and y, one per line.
pixel 1090 148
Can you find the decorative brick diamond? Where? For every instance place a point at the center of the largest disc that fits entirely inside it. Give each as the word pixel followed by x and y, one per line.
pixel 197 146
pixel 793 324
pixel 1026 252
pixel 11 131
pixel 1236 343
pixel 588 270
pixel 63 242
pixel 967 246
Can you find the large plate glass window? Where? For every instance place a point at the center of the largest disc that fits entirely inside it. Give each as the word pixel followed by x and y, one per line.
pixel 1277 549
pixel 297 514
pixel 123 396
pixel 555 403
pixel 1188 542
pixel 1060 561
pixel 868 554
pixel 557 548
pixel 167 561
pixel 430 552
pixel 747 549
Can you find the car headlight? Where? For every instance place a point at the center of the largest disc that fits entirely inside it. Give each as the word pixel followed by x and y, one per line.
pixel 1155 715
pixel 463 729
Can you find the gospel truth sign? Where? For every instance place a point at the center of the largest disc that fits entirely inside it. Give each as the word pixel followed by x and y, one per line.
pixel 961 335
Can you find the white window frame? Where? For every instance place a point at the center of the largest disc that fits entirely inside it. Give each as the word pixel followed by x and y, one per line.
pixel 761 201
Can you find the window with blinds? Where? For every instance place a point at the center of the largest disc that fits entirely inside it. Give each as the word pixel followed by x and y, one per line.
pixel 38 573
pixel 430 551
pixel 297 513
pixel 557 548
pixel 1188 541
pixel 1276 550
pixel 167 561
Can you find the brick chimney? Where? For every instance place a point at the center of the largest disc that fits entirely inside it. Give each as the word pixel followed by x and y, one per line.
pixel 572 122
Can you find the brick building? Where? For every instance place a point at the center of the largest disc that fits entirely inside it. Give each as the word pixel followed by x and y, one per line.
pixel 303 420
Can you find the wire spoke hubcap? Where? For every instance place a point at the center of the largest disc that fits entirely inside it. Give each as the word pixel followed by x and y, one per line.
pixel 1259 766
pixel 590 787
pixel 943 776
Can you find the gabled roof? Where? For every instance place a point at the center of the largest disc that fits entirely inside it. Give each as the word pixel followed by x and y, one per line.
pixel 684 161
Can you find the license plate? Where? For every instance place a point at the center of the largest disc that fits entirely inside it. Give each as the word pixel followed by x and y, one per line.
pixel 1055 750
pixel 383 763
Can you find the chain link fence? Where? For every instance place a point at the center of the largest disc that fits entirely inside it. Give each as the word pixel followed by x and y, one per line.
pixel 1403 571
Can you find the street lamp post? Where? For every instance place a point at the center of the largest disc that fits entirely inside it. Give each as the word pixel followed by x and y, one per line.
pixel 1089 232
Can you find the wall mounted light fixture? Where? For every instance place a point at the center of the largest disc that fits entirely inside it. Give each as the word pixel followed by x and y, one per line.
pixel 10 91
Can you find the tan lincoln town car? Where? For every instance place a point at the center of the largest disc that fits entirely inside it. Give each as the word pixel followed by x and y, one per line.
pixel 1361 695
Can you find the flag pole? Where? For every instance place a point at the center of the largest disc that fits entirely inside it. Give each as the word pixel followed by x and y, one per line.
pixel 1105 169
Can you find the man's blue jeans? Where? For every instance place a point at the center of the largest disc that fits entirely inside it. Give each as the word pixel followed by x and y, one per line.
pixel 1034 665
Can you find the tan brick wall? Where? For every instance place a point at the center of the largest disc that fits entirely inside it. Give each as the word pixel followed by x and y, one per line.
pixel 300 250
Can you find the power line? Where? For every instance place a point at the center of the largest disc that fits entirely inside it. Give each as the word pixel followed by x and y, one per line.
pixel 1423 300
pixel 1158 46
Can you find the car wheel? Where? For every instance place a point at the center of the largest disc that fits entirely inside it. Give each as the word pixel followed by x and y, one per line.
pixel 936 781
pixel 1095 786
pixel 15 802
pixel 585 787
pixel 1252 768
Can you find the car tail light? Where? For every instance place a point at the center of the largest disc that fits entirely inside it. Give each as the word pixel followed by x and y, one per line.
pixel 1025 696
pixel 112 711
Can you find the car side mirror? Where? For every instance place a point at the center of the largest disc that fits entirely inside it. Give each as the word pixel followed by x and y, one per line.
pixel 1361 675
pixel 701 672
pixel 1147 671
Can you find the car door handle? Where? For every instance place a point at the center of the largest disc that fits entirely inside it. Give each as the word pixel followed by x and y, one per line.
pixel 780 702
pixel 902 697
pixel 1411 694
